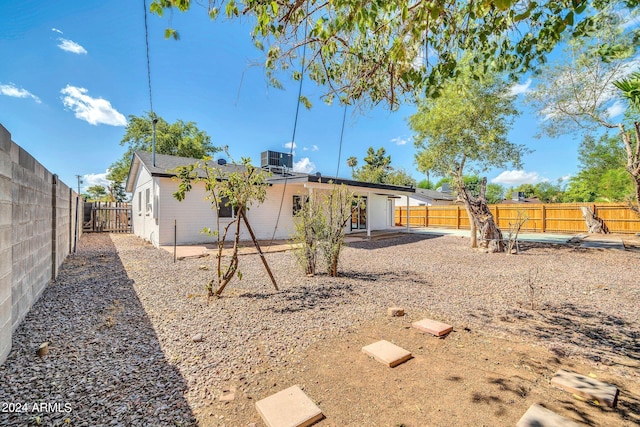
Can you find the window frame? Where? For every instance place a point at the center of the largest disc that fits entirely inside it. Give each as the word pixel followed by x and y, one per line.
pixel 226 211
pixel 298 202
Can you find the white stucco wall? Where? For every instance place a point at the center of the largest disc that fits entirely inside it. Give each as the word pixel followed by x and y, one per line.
pixel 193 214
pixel 143 217
pixel 378 212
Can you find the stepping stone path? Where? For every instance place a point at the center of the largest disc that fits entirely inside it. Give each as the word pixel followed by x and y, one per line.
pixel 288 408
pixel 586 387
pixel 433 327
pixel 387 353
pixel 537 416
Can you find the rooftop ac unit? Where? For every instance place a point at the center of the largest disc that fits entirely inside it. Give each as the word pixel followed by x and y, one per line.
pixel 275 159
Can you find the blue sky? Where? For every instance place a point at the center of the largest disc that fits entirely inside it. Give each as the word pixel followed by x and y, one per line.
pixel 73 71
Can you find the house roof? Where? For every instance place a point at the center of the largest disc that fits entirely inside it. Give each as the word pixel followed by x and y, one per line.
pixel 166 165
pixel 533 199
pixel 433 194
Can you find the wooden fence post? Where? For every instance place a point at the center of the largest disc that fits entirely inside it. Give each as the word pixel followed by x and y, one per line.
pixel 426 215
pixel 543 218
pixel 458 218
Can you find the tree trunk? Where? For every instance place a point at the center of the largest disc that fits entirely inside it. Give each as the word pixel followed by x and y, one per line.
pixel 481 217
pixel 595 224
pixel 474 229
pixel 633 160
pixel 233 263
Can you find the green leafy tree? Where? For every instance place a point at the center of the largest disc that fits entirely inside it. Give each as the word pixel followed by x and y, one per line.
pixel 239 190
pixel 615 186
pixel 378 169
pixel 494 194
pixel 596 157
pixel 337 210
pixel 466 130
pixel 320 228
pixel 117 192
pixel 365 50
pixel 577 93
pixel 96 193
pixel 352 162
pixel 181 138
pixel 426 184
pixel 630 89
pixel 310 227
pixel 548 192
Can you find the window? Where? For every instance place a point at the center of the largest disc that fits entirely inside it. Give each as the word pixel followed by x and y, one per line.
pixel 147 200
pixel 225 210
pixel 139 202
pixel 298 201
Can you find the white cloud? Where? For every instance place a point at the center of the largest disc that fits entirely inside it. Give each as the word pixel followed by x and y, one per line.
pixel 95 179
pixel 16 92
pixel 57 30
pixel 314 148
pixel 92 110
pixel 399 140
pixel 517 177
pixel 616 109
pixel 517 89
pixel 289 145
pixel 304 165
pixel 71 46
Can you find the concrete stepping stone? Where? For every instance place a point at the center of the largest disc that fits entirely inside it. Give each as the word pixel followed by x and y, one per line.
pixel 289 408
pixel 538 416
pixel 433 327
pixel 387 353
pixel 586 387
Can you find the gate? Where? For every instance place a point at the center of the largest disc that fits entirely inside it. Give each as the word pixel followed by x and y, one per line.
pixel 107 217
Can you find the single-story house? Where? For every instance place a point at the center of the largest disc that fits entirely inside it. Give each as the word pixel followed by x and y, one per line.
pixel 157 216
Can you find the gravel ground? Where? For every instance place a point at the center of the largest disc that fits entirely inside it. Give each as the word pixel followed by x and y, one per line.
pixel 121 319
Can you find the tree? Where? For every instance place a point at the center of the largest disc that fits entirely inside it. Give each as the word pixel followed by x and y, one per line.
pixel 372 51
pixel 426 184
pixel 630 89
pixel 596 157
pixel 117 192
pixel 352 162
pixel 238 190
pixel 579 94
pixel 548 192
pixel 177 139
pixel 378 169
pixel 494 194
pixel 338 209
pixel 96 193
pixel 466 129
pixel 320 228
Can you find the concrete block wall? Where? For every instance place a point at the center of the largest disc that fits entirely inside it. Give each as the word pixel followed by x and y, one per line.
pixel 6 215
pixel 37 226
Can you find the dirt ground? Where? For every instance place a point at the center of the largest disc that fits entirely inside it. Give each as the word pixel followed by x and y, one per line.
pixel 467 378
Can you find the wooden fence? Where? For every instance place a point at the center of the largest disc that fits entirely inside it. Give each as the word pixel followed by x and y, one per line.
pixel 551 218
pixel 108 217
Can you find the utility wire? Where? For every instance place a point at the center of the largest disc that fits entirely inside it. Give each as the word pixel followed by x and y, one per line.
pixel 344 118
pixel 295 126
pixel 146 39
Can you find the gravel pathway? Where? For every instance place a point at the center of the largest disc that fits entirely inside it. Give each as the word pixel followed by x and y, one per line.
pixel 121 319
pixel 105 365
